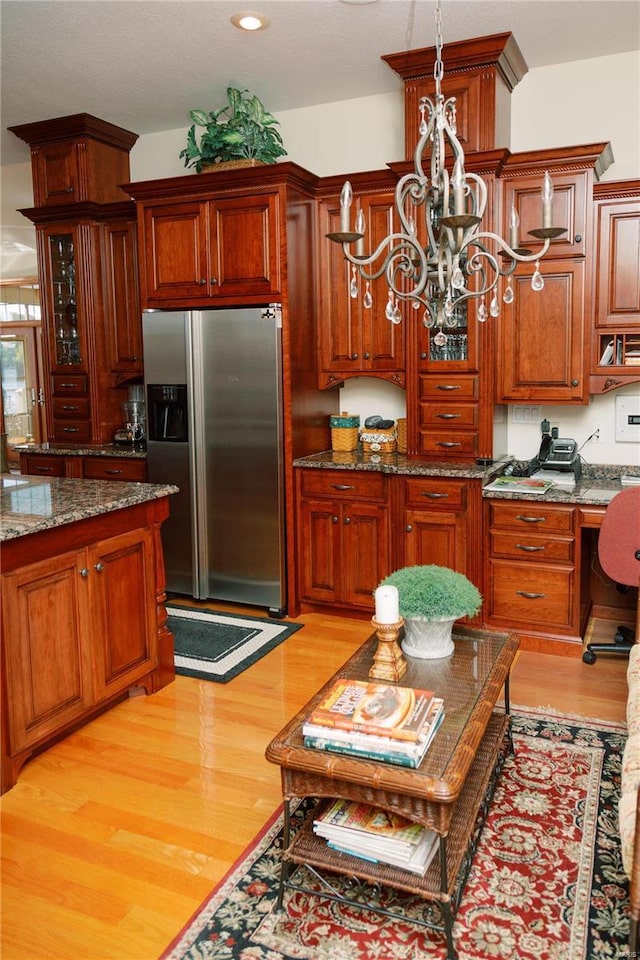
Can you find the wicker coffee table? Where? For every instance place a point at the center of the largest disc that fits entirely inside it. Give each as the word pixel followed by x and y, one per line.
pixel 447 793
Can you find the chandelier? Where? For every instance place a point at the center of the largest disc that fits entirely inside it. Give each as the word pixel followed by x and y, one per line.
pixel 441 258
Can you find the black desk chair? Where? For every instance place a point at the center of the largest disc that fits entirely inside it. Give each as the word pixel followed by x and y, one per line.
pixel 619 555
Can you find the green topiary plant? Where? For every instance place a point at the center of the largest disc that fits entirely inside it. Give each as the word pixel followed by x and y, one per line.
pixel 241 129
pixel 434 593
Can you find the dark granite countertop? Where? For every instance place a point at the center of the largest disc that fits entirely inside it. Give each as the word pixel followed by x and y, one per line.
pixel 104 450
pixel 597 485
pixel 400 464
pixel 32 504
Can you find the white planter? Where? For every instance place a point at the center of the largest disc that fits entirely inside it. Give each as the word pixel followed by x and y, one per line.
pixel 428 639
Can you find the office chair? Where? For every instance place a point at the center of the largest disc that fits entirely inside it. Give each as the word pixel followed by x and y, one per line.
pixel 619 555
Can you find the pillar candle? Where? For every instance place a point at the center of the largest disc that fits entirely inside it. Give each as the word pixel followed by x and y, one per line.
pixel 547 199
pixel 387 604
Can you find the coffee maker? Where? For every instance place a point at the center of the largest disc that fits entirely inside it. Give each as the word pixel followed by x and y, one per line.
pixel 134 431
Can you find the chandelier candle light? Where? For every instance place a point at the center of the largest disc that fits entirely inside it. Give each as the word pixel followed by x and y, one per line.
pixel 440 258
pixel 388 660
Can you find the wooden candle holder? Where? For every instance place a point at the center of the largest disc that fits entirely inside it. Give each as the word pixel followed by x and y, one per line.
pixel 388 660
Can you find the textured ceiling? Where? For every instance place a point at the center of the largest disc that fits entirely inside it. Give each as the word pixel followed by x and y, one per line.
pixel 143 64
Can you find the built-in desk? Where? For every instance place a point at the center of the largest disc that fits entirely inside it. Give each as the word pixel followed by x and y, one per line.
pixel 542 575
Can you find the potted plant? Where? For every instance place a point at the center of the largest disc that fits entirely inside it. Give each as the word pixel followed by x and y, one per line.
pixel 431 599
pixel 241 130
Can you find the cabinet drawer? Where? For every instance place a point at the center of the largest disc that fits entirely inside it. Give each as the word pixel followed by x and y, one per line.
pixel 527 546
pixel 350 484
pixel 107 468
pixel 452 387
pixel 448 445
pixel 72 429
pixel 436 492
pixel 64 384
pixel 70 408
pixel 532 516
pixel 440 415
pixel 535 595
pixel 44 466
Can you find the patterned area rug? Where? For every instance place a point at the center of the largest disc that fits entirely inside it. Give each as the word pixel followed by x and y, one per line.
pixel 218 646
pixel 546 882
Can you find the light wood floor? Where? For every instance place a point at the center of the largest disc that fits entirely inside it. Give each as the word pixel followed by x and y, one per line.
pixel 113 837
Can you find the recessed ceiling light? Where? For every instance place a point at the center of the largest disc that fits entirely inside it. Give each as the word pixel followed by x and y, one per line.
pixel 250 21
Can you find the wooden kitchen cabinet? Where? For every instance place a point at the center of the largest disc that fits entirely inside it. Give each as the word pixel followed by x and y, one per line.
pixel 440 524
pixel 542 340
pixel 83 622
pixel 616 338
pixel 532 581
pixel 81 627
pixel 86 236
pixel 223 249
pixel 87 467
pixel 542 337
pixel 355 336
pixel 343 530
pixel 76 159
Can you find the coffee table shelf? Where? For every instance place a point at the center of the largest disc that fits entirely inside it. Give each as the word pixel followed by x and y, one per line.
pixel 445 793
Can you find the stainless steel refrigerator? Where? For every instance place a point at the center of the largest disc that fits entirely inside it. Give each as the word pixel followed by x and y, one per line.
pixel 213 384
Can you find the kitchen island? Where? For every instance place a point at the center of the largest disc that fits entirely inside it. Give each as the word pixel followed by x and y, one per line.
pixel 83 605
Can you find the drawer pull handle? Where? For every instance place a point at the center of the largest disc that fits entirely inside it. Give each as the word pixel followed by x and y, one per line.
pixel 448 386
pixel 342 486
pixel 530 596
pixel 528 548
pixel 113 472
pixel 70 406
pixel 71 429
pixel 68 386
pixel 531 519
pixel 449 416
pixel 433 495
pixel 448 443
pixel 44 469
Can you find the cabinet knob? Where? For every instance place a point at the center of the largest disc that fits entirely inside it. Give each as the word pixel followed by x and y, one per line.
pixel 84 573
pixel 69 190
pixel 347 519
pixel 408 528
pixel 334 519
pixel 423 356
pixel 213 281
pixel 578 238
pixel 366 356
pixel 99 567
pixel 354 356
pixel 575 383
pixel 201 282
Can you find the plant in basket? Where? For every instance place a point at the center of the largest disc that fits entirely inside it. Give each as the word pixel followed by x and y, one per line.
pixel 242 129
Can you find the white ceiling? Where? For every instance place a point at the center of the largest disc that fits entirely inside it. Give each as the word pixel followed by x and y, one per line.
pixel 143 64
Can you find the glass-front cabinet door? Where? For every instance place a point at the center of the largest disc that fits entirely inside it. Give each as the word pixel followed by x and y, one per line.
pixel 61 256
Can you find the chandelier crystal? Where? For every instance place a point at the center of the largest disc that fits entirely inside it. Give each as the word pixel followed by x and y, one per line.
pixel 440 258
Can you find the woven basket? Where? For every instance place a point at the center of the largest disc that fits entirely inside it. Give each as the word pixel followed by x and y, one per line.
pixel 232 165
pixel 379 441
pixel 344 432
pixel 402 434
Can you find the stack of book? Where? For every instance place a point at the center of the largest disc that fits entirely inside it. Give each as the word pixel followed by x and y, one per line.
pixel 375 721
pixel 376 835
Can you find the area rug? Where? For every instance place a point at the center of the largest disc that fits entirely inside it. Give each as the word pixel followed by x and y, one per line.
pixel 218 646
pixel 546 881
